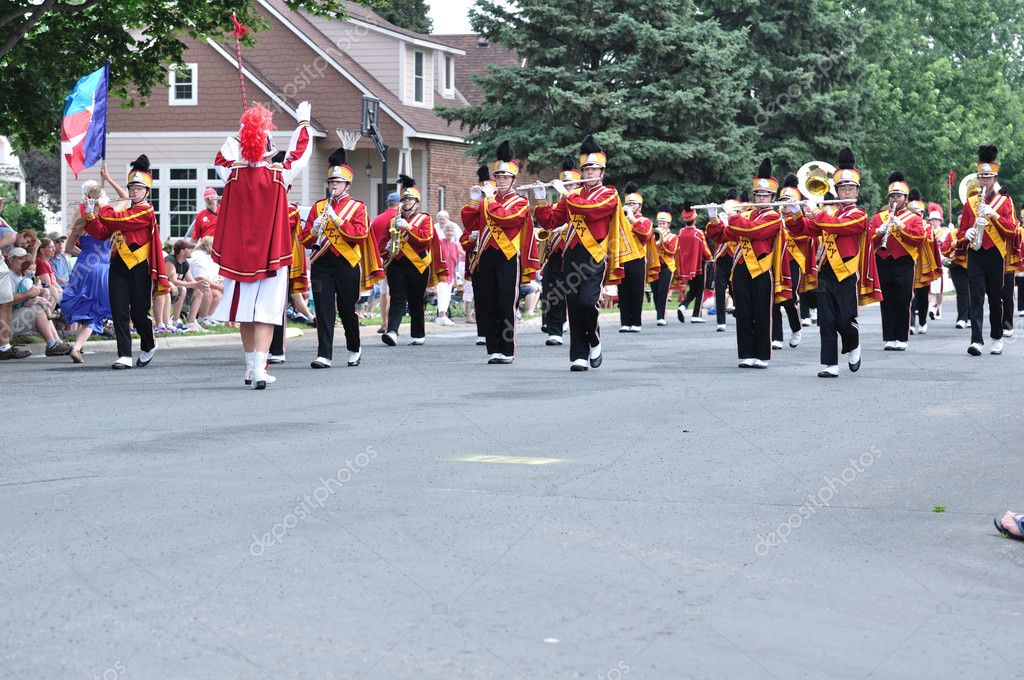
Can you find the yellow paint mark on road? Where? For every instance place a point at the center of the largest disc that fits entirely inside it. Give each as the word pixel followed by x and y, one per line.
pixel 508 460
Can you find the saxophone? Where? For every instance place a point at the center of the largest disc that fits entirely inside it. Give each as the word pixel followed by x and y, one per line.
pixel 976 241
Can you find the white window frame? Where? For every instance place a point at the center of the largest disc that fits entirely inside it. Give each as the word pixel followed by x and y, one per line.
pixel 167 184
pixel 420 77
pixel 173 100
pixel 448 75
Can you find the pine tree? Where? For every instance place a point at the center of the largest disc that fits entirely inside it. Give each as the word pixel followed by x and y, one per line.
pixel 658 85
pixel 409 14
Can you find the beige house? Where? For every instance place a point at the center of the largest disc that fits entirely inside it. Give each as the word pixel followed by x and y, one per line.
pixel 333 64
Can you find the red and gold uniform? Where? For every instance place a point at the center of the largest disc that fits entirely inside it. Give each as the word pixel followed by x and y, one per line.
pixel 896 233
pixel 692 255
pixel 794 264
pixel 757 277
pixel 847 273
pixel 927 268
pixel 506 256
pixel 553 286
pixel 725 252
pixel 137 268
pixel 418 264
pixel 639 234
pixel 995 222
pixel 663 267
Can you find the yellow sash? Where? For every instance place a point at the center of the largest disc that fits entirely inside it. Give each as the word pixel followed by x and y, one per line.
pixel 794 251
pixel 509 247
pixel 897 231
pixel 128 256
pixel 990 228
pixel 631 247
pixel 332 230
pixel 839 268
pixel 421 263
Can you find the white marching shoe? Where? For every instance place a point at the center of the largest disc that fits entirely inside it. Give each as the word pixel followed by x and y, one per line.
pixel 997 347
pixel 146 357
pixel 481 340
pixel 578 365
pixel 960 325
pixel 776 344
pixel 390 338
pixel 720 328
pixel 747 363
pixel 890 346
pixel 697 319
pixel 662 322
pixel 828 371
pixel 275 359
pixel 320 362
pixel 418 341
pixel 795 338
pixel 854 359
pixel 975 349
pixel 354 358
pixel 901 346
pixel 760 363
pixel 595 356
pixel 552 341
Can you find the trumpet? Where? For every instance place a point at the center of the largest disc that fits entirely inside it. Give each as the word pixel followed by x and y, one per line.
pixel 538 185
pixel 731 205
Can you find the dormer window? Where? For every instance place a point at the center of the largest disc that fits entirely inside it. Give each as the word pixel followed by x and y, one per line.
pixel 418 77
pixel 449 74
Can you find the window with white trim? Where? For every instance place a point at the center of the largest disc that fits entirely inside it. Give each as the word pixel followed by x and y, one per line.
pixel 183 85
pixel 418 66
pixel 449 74
pixel 182 200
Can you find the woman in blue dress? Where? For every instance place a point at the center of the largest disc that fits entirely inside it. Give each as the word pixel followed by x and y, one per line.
pixel 86 299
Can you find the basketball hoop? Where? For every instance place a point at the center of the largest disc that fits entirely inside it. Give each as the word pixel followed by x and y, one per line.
pixel 349 137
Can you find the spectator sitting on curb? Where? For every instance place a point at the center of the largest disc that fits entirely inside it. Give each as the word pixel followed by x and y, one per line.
pixel 7 238
pixel 45 274
pixel 180 277
pixel 31 308
pixel 204 269
pixel 59 260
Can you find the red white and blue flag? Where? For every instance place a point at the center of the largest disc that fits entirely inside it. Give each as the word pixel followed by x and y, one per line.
pixel 83 133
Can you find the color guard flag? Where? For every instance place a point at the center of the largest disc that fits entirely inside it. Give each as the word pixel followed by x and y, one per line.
pixel 83 133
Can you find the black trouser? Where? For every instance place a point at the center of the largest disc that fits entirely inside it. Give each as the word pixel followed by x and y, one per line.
pixel 584 279
pixel 1008 287
pixel 985 277
pixel 408 287
pixel 920 305
pixel 496 291
pixel 791 306
pixel 131 293
pixel 335 286
pixel 661 290
pixel 723 271
pixel 837 314
pixel 1020 293
pixel 277 342
pixel 808 301
pixel 631 292
pixel 753 299
pixel 695 294
pixel 961 284
pixel 896 278
pixel 553 296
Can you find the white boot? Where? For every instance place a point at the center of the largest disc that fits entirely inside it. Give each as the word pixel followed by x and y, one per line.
pixel 260 377
pixel 250 364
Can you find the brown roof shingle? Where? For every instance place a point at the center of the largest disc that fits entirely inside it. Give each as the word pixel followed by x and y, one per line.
pixel 479 55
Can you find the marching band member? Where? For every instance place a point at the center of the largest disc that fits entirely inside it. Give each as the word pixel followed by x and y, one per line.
pixel 1013 266
pixel 253 243
pixel 469 240
pixel 666 260
pixel 955 253
pixel 927 267
pixel 896 234
pixel 760 247
pixel 941 238
pixel 987 223
pixel 298 281
pixel 415 263
pixel 506 256
pixel 344 261
pixel 794 263
pixel 593 252
pixel 137 268
pixel 725 253
pixel 847 275
pixel 634 266
pixel 553 281
pixel 692 254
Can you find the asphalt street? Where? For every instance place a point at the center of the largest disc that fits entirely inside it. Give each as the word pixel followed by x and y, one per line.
pixel 426 515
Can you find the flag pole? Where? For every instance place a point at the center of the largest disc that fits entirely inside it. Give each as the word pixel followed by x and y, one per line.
pixel 240 31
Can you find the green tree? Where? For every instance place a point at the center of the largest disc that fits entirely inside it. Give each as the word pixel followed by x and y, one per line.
pixel 658 84
pixel 944 78
pixel 46 46
pixel 19 216
pixel 409 14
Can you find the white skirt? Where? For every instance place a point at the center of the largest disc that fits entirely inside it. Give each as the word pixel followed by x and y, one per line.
pixel 260 301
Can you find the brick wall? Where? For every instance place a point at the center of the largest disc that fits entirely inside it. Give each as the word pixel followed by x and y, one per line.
pixel 450 167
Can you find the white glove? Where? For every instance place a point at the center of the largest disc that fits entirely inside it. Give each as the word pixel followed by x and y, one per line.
pixel 488 190
pixel 90 206
pixel 330 214
pixel 540 193
pixel 724 218
pixel 981 223
pixel 792 209
pixel 883 230
pixel 475 194
pixel 559 186
pixel 971 234
pixel 712 212
pixel 400 223
pixel 473 237
pixel 303 112
pixel 987 210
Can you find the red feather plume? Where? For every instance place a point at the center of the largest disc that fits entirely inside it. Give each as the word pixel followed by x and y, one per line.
pixel 256 121
pixel 241 30
pixel 952 178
